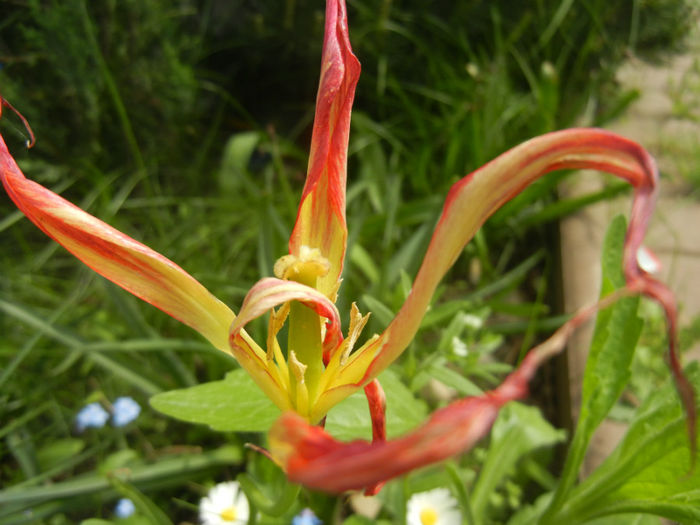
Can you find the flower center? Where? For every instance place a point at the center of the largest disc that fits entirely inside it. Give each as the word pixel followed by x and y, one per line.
pixel 304 343
pixel 428 516
pixel 228 514
pixel 304 268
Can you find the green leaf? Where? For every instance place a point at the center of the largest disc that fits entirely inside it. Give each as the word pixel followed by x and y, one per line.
pixel 379 310
pixel 166 472
pixel 236 158
pixel 235 404
pixel 627 519
pixel 519 430
pixel 356 519
pixel 649 471
pixel 607 368
pixel 452 379
pixel 121 459
pixel 259 495
pixel 55 452
pixel 350 419
pixel 363 260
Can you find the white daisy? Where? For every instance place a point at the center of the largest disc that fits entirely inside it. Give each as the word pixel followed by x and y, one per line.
pixel 435 507
pixel 225 504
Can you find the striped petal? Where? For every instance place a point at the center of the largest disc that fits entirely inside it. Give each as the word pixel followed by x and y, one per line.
pixel 321 217
pixel 477 196
pixel 117 257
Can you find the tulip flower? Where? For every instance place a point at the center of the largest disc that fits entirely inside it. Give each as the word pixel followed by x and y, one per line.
pixel 320 366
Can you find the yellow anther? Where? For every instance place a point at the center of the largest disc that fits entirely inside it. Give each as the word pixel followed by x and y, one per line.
pixel 304 268
pixel 298 369
pixel 277 320
pixel 357 323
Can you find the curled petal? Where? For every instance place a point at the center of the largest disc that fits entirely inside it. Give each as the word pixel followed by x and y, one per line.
pixel 117 257
pixel 270 292
pixel 477 196
pixel 321 217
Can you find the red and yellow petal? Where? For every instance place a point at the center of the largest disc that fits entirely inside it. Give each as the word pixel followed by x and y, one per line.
pixel 271 292
pixel 311 457
pixel 270 376
pixel 477 196
pixel 117 257
pixel 320 220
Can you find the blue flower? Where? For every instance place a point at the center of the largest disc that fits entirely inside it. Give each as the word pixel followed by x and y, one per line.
pixel 124 508
pixel 92 415
pixel 306 517
pixel 125 410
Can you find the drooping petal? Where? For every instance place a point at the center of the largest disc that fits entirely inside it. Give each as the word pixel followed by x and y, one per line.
pixel 312 457
pixel 117 257
pixel 321 217
pixel 477 196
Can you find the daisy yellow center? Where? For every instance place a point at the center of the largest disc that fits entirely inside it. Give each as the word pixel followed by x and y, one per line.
pixel 228 514
pixel 428 516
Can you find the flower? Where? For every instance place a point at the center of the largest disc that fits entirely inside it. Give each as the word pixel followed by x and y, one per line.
pixel 225 504
pixel 124 411
pixel 91 416
pixel 435 507
pixel 319 366
pixel 124 508
pixel 306 517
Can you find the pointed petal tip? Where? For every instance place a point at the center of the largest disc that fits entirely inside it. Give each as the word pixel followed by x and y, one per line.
pixel 32 139
pixel 320 220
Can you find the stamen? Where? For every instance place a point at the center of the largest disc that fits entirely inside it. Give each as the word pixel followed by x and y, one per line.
pixel 298 368
pixel 301 393
pixel 277 320
pixel 357 323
